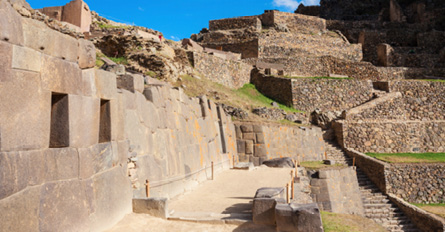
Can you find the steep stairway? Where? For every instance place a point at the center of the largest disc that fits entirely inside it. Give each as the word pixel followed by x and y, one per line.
pixel 377 206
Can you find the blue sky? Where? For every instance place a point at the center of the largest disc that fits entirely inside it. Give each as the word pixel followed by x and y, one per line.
pixel 178 19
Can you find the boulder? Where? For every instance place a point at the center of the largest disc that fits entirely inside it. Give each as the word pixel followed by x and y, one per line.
pixel 298 218
pixel 286 162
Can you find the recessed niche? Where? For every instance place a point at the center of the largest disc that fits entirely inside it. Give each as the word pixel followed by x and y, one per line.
pixel 105 121
pixel 60 130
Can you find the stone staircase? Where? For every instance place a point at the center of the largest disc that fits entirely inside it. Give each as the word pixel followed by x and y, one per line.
pixel 377 206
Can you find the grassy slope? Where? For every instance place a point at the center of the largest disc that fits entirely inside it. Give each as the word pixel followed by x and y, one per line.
pixel 348 223
pixel 245 98
pixel 410 157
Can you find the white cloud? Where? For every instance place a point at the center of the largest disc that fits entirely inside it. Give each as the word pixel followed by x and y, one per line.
pixel 293 4
pixel 141 9
pixel 289 4
pixel 174 38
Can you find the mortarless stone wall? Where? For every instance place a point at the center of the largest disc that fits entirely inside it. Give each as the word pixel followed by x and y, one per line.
pixel 251 22
pixel 78 143
pixel 257 143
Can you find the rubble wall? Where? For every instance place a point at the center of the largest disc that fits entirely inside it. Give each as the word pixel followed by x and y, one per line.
pixel 76 145
pixel 231 73
pixel 252 22
pixel 329 95
pixel 393 136
pixel 257 143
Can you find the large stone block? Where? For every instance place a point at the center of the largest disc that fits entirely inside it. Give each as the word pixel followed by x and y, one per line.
pixel 10 24
pixel 97 158
pixel 89 82
pixel 111 201
pixel 270 193
pixel 280 163
pixel 5 61
pixel 298 218
pixel 84 114
pixel 157 207
pixel 63 207
pixel 126 82
pixel 61 164
pixel 87 54
pixel 38 36
pixel 19 170
pixel 21 211
pixel 106 84
pixel 65 47
pixel 138 83
pixel 61 76
pixel 263 210
pixel 26 59
pixel 25 113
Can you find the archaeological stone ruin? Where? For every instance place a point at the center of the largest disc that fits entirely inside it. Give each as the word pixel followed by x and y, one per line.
pixel 88 141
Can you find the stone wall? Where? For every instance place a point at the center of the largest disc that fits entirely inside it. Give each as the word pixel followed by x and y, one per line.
pixel 249 22
pixel 337 191
pixel 393 136
pixel 233 74
pixel 422 219
pixel 76 144
pixel 257 143
pixel 419 97
pixel 329 95
pixel 417 183
pixel 287 45
pixel 295 22
pixel 247 49
pixel 279 89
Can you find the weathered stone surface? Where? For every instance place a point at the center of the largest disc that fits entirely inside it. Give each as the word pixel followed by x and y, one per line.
pixel 84 114
pixel 63 207
pixel 89 82
pixel 298 218
pixel 21 211
pixel 5 61
pixel 270 193
pixel 26 59
pixel 61 164
pixel 61 76
pixel 25 112
pixel 65 47
pixel 87 54
pixel 111 202
pixel 126 82
pixel 106 84
pixel 138 83
pixel 263 210
pixel 280 163
pixel 10 24
pixel 157 207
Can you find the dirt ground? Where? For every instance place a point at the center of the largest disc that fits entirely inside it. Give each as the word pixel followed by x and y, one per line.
pixel 146 223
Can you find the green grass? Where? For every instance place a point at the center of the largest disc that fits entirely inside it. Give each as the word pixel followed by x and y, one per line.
pixel 315 165
pixel 151 74
pixel 435 208
pixel 322 78
pixel 253 94
pixel 432 204
pixel 333 222
pixel 433 80
pixel 410 157
pixel 119 60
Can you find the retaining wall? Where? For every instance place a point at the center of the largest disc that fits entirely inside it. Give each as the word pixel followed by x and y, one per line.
pixel 252 22
pixel 231 73
pixel 76 144
pixel 257 143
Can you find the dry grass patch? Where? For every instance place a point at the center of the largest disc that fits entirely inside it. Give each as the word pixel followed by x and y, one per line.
pixel 438 209
pixel 316 165
pixel 333 222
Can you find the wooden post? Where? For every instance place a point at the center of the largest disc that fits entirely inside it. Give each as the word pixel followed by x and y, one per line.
pixel 234 161
pixel 287 193
pixel 213 177
pixel 292 184
pixel 353 162
pixel 325 155
pixel 147 188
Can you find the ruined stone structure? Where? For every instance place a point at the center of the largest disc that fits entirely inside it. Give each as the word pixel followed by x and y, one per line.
pixel 75 12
